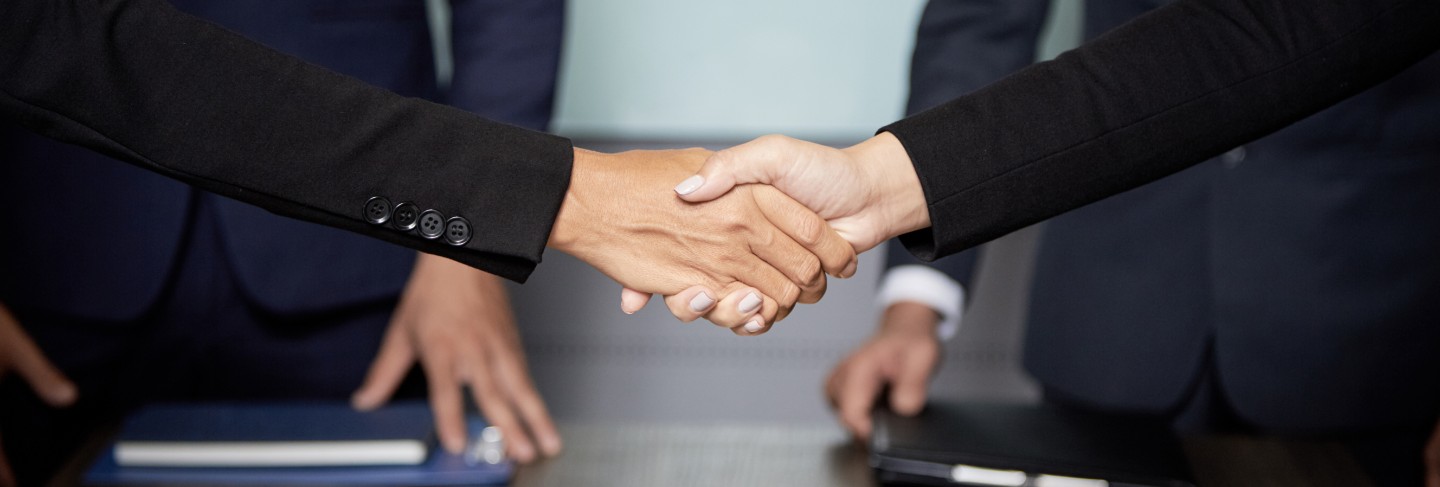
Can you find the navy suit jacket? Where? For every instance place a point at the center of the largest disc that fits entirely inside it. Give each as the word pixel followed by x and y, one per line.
pixel 506 58
pixel 1300 269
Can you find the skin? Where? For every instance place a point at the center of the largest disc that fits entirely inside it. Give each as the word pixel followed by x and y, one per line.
pixel 20 355
pixel 868 192
pixel 900 357
pixel 619 213
pixel 457 323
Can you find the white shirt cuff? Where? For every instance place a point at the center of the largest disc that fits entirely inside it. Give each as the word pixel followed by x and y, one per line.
pixel 926 286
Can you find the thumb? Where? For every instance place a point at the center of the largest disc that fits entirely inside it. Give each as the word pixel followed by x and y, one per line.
pixel 757 161
pixel 632 300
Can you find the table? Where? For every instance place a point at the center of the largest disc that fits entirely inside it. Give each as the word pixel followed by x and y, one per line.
pixel 729 454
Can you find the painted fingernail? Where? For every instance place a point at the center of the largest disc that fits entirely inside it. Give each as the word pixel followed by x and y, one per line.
pixel 701 302
pixel 750 303
pixel 690 184
pixel 754 326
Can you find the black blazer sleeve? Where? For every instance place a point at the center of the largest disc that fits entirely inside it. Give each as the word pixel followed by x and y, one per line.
pixel 1166 91
pixel 141 82
pixel 961 46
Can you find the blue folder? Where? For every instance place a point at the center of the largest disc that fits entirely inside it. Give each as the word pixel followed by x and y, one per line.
pixel 302 422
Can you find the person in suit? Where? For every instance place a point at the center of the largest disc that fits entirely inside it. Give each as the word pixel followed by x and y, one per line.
pixel 1287 286
pixel 227 115
pixel 303 303
pixel 1143 125
pixel 61 64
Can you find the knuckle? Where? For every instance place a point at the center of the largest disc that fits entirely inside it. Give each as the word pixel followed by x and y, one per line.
pixel 809 269
pixel 789 295
pixel 808 232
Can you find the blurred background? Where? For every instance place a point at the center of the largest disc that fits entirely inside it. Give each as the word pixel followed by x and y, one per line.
pixel 831 71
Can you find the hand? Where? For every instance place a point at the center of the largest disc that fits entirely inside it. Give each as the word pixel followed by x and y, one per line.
pixel 901 355
pixel 456 321
pixel 1432 459
pixel 868 193
pixel 742 261
pixel 19 353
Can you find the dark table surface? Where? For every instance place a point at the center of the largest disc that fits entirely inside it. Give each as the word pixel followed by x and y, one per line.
pixel 644 454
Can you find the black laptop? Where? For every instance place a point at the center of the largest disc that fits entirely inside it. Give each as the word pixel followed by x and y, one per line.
pixel 1024 445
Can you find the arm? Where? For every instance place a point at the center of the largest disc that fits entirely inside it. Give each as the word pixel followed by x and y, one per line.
pixel 1113 114
pixel 1129 107
pixel 141 82
pixel 146 84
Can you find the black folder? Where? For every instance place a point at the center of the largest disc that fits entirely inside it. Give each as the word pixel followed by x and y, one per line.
pixel 992 444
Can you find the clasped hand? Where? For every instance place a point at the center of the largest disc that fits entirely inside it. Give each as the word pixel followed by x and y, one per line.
pixel 737 253
pixel 742 260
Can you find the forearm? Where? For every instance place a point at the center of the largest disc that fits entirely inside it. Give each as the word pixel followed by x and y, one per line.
pixel 154 87
pixel 1166 91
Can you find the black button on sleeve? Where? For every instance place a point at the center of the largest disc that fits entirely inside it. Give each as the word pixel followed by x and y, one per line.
pixel 457 231
pixel 377 210
pixel 432 224
pixel 405 216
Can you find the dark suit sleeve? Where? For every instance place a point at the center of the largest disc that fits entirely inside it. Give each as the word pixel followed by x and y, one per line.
pixel 507 55
pixel 1168 90
pixel 141 82
pixel 961 46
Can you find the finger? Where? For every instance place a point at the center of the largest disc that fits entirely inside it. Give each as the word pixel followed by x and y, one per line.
pixel 7 478
pixel 760 323
pixel 837 257
pixel 857 397
pixel 757 161
pixel 832 384
pixel 445 399
pixel 907 394
pixel 795 262
pixel 769 281
pixel 44 378
pixel 495 406
pixel 691 303
pixel 632 301
pixel 515 379
pixel 391 364
pixel 1432 459
pixel 738 303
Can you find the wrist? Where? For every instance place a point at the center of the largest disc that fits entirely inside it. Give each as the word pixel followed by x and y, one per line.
pixel 898 198
pixel 909 317
pixel 567 231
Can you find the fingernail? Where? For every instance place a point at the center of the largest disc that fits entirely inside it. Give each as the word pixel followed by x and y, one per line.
pixel 850 269
pixel 690 184
pixel 750 303
pixel 754 326
pixel 701 302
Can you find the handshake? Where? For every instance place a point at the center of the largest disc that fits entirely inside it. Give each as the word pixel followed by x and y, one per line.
pixel 748 231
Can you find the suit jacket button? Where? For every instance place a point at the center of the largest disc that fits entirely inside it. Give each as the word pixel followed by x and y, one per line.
pixel 457 231
pixel 377 210
pixel 405 216
pixel 432 224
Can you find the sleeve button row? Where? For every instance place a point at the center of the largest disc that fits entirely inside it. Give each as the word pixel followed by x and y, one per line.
pixel 407 217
